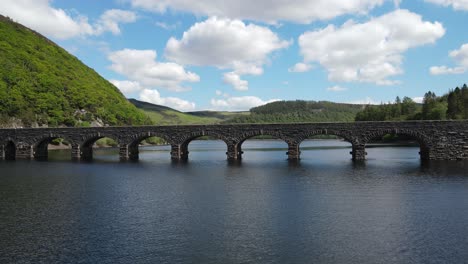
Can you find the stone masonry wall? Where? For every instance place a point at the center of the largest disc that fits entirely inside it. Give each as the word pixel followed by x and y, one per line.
pixel 439 140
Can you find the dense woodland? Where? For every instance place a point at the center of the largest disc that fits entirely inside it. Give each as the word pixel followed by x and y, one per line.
pixel 299 111
pixel 453 105
pixel 42 84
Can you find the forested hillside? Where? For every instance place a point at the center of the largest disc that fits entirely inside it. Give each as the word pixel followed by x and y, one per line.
pixel 453 105
pixel 42 84
pixel 300 111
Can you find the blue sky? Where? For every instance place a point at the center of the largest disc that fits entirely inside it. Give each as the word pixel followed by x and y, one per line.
pixel 236 54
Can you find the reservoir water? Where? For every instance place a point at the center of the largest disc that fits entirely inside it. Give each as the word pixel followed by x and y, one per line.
pixel 392 208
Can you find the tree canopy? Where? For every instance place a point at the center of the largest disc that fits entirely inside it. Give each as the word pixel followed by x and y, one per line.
pixel 453 105
pixel 299 111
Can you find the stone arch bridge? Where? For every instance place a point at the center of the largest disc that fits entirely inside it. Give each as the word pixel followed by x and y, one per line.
pixel 438 140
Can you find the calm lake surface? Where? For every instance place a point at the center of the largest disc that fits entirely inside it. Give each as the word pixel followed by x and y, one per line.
pixel 325 209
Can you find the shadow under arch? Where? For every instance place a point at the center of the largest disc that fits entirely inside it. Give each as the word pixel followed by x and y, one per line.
pixel 318 143
pixel 339 133
pixel 325 132
pixel 419 138
pixel 183 147
pixel 86 147
pixel 269 135
pixel 41 147
pixel 133 148
pixel 9 149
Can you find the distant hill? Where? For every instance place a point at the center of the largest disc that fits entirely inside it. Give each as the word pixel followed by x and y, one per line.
pixel 41 84
pixel 222 115
pixel 163 115
pixel 300 111
pixel 151 107
pixel 276 112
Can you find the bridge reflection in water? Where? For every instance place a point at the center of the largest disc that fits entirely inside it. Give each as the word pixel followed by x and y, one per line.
pixel 438 140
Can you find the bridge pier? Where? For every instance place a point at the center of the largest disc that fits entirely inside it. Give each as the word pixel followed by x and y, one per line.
pixel 24 151
pixel 129 153
pixel 75 152
pixel 293 151
pixel 359 152
pixel 425 153
pixel 179 152
pixel 234 151
pixel 86 152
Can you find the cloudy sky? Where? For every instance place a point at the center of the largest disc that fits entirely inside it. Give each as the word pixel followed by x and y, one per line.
pixel 236 54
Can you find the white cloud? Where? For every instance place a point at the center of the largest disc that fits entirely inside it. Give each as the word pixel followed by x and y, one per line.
pixel 109 21
pixel 368 52
pixel 154 97
pixel 226 44
pixel 270 11
pixel 167 26
pixel 234 79
pixel 440 70
pixel 460 57
pixel 141 66
pixel 40 16
pixel 300 67
pixel 418 100
pixel 456 4
pixel 58 23
pixel 336 88
pixel 127 87
pixel 364 101
pixel 241 103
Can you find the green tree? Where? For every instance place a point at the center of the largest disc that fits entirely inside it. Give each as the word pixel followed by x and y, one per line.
pixel 455 104
pixel 408 106
pixel 464 102
pixel 396 109
pixel 429 104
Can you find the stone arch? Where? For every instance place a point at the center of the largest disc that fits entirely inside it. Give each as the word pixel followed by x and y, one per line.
pixel 262 132
pixel 89 140
pixel 19 147
pixel 292 152
pixel 130 151
pixel 346 135
pixel 180 150
pixel 187 138
pixel 138 138
pixel 421 138
pixel 40 147
pixel 86 146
